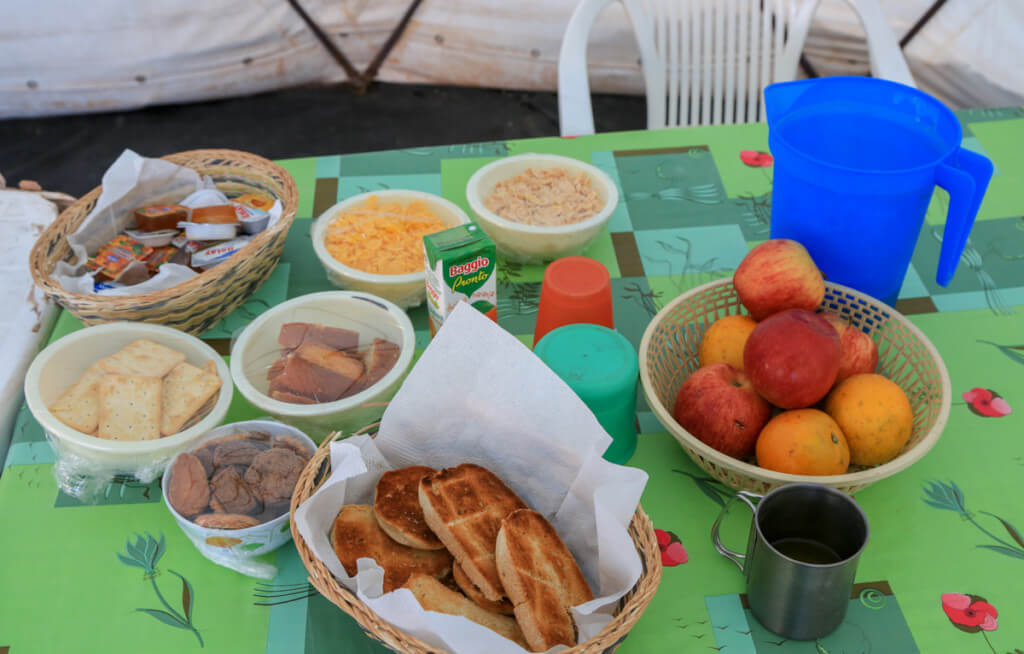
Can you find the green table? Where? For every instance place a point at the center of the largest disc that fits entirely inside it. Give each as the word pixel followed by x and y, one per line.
pixel 691 208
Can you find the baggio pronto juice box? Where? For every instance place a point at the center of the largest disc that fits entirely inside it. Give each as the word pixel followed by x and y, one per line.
pixel 460 266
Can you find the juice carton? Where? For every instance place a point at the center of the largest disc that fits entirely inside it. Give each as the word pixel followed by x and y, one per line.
pixel 460 266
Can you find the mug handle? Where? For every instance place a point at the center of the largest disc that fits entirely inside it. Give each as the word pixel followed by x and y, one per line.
pixel 716 539
pixel 965 175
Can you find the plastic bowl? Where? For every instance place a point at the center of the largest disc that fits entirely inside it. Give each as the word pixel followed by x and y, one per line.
pixel 535 243
pixel 256 348
pixel 63 362
pixel 403 290
pixel 218 544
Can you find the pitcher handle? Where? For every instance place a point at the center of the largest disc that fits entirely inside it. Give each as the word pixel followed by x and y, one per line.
pixel 965 176
pixel 737 558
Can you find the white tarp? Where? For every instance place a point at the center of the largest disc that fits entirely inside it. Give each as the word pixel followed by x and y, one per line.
pixel 68 56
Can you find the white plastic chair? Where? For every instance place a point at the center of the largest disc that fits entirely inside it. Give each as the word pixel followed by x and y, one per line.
pixel 705 62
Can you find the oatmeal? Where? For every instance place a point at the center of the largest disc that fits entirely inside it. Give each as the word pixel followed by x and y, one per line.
pixel 546 197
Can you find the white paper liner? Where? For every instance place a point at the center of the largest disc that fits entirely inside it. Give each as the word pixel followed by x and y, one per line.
pixel 134 181
pixel 479 395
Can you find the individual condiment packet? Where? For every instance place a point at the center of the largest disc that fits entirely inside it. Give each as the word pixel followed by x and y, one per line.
pixel 160 256
pixel 153 239
pixel 115 255
pixel 182 242
pixel 215 254
pixel 215 214
pixel 253 220
pixel 159 217
pixel 256 201
pixel 209 231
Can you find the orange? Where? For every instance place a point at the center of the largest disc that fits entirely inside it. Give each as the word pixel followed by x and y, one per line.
pixel 724 340
pixel 875 415
pixel 803 442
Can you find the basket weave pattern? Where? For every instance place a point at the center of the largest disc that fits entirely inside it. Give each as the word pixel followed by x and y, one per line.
pixel 629 610
pixel 668 355
pixel 200 302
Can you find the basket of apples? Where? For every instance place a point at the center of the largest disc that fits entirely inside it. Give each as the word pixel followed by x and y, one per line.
pixel 777 376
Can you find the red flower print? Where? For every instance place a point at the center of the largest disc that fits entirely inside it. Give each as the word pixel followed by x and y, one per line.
pixel 987 403
pixel 969 613
pixel 756 159
pixel 672 551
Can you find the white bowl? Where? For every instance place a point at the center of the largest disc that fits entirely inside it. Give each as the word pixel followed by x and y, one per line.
pixel 256 348
pixel 224 544
pixel 63 362
pixel 535 243
pixel 404 290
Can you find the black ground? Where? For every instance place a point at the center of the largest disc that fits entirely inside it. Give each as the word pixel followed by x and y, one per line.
pixel 70 153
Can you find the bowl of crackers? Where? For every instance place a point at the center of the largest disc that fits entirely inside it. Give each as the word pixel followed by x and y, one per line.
pixel 125 398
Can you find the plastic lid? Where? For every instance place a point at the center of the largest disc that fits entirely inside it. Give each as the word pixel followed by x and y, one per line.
pixel 598 363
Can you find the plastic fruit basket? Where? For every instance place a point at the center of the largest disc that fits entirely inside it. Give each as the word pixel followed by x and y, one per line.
pixel 668 355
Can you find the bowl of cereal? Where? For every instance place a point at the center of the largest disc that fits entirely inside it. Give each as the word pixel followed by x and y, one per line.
pixel 538 207
pixel 373 242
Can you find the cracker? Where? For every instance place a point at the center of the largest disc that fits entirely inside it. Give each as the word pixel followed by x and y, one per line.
pixel 143 357
pixel 79 406
pixel 203 410
pixel 210 366
pixel 129 407
pixel 186 389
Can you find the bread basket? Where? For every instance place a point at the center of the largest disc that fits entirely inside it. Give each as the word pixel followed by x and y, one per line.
pixel 200 302
pixel 630 608
pixel 668 355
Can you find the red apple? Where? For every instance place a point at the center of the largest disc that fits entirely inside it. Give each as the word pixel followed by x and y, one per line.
pixel 718 405
pixel 792 358
pixel 858 352
pixel 776 275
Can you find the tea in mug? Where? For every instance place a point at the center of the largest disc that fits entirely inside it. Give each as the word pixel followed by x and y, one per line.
pixel 807 550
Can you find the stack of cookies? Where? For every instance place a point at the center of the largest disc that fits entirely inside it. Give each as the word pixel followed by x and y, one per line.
pixel 142 392
pixel 465 544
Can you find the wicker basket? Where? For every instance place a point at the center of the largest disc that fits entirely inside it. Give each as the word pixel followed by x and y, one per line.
pixel 199 303
pixel 630 608
pixel 668 354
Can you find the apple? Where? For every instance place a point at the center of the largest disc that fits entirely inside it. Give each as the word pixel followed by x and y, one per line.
pixel 858 352
pixel 719 406
pixel 776 275
pixel 792 358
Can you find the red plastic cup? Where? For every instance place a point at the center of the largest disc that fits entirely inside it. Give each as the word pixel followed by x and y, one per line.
pixel 575 290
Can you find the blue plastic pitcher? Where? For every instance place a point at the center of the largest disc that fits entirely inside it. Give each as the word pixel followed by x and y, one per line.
pixel 856 162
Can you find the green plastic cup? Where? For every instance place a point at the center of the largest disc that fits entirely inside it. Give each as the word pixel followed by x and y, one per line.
pixel 601 366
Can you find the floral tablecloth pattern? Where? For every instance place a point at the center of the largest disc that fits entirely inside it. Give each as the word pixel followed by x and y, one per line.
pixel 942 572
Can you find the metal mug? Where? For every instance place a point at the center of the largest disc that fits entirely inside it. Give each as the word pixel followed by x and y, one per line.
pixel 801 559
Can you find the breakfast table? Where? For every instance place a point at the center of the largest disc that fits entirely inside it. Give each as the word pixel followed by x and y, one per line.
pixel 943 568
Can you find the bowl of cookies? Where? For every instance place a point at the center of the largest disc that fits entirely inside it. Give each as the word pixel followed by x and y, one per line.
pixel 125 398
pixel 230 491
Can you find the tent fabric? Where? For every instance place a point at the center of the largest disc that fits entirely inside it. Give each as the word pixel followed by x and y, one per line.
pixel 66 56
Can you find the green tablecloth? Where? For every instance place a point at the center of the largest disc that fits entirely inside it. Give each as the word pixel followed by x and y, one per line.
pixel 691 208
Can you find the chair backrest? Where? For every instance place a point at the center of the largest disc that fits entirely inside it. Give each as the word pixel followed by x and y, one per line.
pixel 706 62
pixel 717 55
